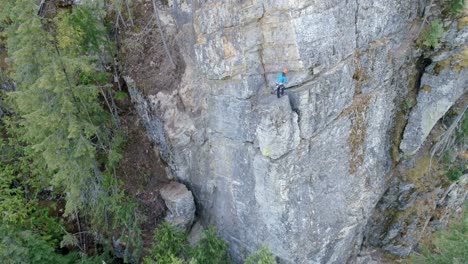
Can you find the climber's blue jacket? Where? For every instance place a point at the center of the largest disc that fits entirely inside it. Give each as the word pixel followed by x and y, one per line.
pixel 282 78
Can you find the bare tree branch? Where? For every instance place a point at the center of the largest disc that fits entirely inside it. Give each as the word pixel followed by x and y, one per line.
pixel 129 13
pixel 446 140
pixel 158 21
pixel 426 14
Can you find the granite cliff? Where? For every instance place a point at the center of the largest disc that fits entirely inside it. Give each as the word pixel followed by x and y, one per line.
pixel 301 174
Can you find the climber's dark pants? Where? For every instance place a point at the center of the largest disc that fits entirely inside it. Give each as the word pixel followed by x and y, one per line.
pixel 280 89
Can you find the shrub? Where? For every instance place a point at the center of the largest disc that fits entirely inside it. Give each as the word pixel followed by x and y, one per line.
pixel 170 247
pixel 455 173
pixel 26 247
pixel 433 34
pixel 456 6
pixel 170 243
pixel 263 256
pixel 464 129
pixel 210 250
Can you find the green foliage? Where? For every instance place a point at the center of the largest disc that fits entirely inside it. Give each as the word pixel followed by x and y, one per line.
pixel 169 259
pixel 119 95
pixel 456 6
pixel 59 116
pixel 450 246
pixel 454 164
pixel 433 34
pixel 463 135
pixel 170 242
pixel 19 246
pixel 170 247
pixel 26 247
pixel 454 173
pixel 21 180
pixel 210 250
pixel 14 206
pixel 59 67
pixel 263 256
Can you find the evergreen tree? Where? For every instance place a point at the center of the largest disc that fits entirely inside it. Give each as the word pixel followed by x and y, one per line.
pixel 62 87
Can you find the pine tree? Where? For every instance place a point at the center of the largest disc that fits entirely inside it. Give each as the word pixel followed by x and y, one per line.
pixel 62 87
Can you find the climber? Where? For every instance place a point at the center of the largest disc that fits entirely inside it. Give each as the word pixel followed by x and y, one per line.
pixel 280 83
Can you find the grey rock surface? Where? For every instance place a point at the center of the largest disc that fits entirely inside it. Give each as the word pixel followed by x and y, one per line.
pixel 153 123
pixel 438 93
pixel 180 203
pixel 196 234
pixel 406 213
pixel 442 84
pixel 277 130
pixel 321 101
pixel 451 203
pixel 378 19
pixel 300 174
pixel 420 201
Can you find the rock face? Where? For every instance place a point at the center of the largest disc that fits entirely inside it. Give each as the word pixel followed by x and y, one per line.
pixel 408 211
pixel 277 131
pixel 300 174
pixel 443 83
pixel 438 94
pixel 180 204
pixel 420 197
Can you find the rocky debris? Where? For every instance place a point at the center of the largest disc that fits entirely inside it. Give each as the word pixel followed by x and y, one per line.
pixel 412 209
pixel 179 202
pixel 370 257
pixel 154 125
pixel 397 231
pixel 277 131
pixel 451 204
pixel 196 234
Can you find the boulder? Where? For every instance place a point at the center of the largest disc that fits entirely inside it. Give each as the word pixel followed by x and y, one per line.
pixel 179 201
pixel 196 234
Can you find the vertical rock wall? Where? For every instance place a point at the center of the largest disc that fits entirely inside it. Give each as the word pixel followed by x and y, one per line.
pixel 300 174
pixel 421 198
